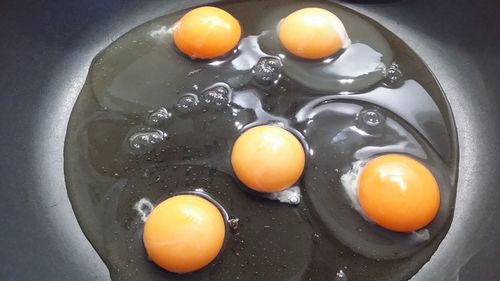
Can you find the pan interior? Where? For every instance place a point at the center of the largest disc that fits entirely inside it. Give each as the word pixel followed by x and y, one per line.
pixel 140 74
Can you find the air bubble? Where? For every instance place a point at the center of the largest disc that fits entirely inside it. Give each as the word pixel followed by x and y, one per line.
pixel 234 224
pixel 371 117
pixel 144 142
pixel 187 103
pixel 218 96
pixel 267 71
pixel 158 117
pixel 393 75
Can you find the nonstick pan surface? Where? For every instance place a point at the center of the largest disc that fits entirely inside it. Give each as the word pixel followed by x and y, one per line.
pixel 45 52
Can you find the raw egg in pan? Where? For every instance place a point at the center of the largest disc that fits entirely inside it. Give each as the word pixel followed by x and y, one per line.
pixel 355 210
pixel 286 133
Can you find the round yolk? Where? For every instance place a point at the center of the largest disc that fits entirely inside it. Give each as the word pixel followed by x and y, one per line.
pixel 268 158
pixel 184 233
pixel 312 33
pixel 398 193
pixel 206 33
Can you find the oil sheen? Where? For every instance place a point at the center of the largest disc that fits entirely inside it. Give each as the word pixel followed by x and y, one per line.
pixel 151 123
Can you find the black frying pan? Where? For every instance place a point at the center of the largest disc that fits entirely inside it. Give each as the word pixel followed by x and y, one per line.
pixel 45 52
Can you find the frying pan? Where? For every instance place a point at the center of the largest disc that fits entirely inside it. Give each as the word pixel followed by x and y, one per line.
pixel 45 52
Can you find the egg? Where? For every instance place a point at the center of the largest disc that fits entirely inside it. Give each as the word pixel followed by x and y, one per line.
pixel 398 193
pixel 158 117
pixel 184 233
pixel 206 33
pixel 312 33
pixel 267 158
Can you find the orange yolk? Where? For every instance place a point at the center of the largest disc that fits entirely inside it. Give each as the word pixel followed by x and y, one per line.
pixel 268 158
pixel 184 233
pixel 398 193
pixel 312 33
pixel 206 33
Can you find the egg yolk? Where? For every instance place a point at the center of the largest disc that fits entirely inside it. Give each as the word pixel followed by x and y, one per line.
pixel 268 158
pixel 206 33
pixel 312 33
pixel 184 233
pixel 398 193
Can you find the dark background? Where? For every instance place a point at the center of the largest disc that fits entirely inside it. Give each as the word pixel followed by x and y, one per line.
pixel 46 48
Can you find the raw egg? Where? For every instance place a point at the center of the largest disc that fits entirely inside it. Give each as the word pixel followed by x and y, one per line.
pixel 184 233
pixel 188 114
pixel 312 33
pixel 268 158
pixel 206 33
pixel 398 193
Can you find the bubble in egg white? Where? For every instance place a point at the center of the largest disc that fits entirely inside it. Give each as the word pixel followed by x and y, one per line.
pixel 393 75
pixel 187 103
pixel 216 97
pixel 371 118
pixel 267 71
pixel 158 117
pixel 144 141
